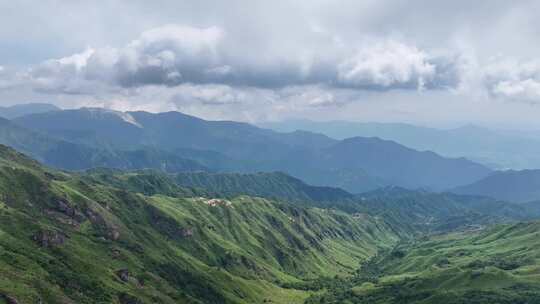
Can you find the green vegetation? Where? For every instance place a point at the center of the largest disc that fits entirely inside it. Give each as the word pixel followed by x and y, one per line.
pixel 67 239
pixel 500 265
pixel 110 236
pixel 412 212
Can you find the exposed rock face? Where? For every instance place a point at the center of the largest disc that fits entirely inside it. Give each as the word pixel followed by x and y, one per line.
pixel 49 239
pixel 109 231
pixel 186 232
pixel 116 254
pixel 113 234
pixel 123 274
pixel 65 208
pixel 9 299
pixel 125 298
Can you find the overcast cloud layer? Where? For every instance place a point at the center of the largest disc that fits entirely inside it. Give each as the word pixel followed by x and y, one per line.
pixel 424 62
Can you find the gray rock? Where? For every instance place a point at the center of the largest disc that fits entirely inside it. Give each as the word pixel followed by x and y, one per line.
pixel 49 239
pixel 123 274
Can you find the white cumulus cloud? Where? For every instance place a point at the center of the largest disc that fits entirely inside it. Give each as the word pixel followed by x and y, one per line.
pixel 387 64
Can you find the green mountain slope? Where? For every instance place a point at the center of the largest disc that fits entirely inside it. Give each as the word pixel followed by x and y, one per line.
pixel 407 211
pixel 66 239
pixel 500 265
pixel 270 185
pixel 430 212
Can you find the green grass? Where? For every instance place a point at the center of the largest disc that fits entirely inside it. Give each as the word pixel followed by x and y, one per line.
pixel 178 249
pixel 181 246
pixel 499 265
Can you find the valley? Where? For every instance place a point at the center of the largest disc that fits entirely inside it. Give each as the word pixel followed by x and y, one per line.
pixel 269 152
pixel 146 220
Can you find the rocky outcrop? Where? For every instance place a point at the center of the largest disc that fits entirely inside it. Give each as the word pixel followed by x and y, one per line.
pixel 64 207
pixel 123 275
pixel 186 232
pixel 109 231
pixel 116 253
pixel 8 299
pixel 126 298
pixel 49 238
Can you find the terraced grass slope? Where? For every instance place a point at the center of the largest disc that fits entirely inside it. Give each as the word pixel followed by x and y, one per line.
pixel 67 239
pixel 499 265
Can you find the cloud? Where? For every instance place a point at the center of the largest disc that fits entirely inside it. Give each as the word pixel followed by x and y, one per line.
pixel 517 80
pixel 385 65
pixel 208 95
pixel 172 55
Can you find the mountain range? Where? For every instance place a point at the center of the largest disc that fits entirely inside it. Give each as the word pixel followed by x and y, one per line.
pixel 26 109
pixel 498 149
pixel 355 164
pixel 177 209
pixel 511 185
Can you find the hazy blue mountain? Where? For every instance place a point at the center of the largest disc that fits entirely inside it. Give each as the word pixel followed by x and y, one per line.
pixel 511 185
pixel 72 156
pixel 496 148
pixel 357 165
pixel 26 109
pixel 400 165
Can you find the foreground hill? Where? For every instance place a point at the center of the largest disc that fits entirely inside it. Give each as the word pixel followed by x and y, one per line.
pixel 511 185
pixel 109 236
pixel 66 239
pixel 499 265
pixel 356 165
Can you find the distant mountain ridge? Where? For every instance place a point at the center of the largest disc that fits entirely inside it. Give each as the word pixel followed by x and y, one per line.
pixel 26 109
pixel 63 154
pixel 499 149
pixel 355 165
pixel 511 185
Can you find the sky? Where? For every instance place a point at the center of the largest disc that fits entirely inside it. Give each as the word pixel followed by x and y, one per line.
pixel 434 63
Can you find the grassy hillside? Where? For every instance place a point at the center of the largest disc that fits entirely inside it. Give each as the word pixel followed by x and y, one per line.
pixel 500 265
pixel 412 212
pixel 271 185
pixel 430 212
pixel 67 239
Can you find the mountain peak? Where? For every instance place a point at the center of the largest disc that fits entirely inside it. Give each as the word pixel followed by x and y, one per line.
pixel 19 110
